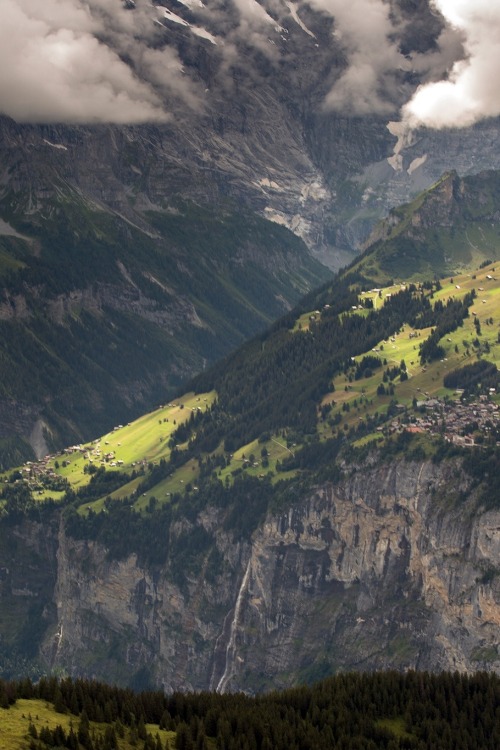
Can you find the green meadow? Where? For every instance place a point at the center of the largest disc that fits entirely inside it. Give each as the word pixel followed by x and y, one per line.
pixel 16 720
pixel 136 448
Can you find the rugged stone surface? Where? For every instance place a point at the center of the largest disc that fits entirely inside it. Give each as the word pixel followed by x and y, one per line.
pixel 395 566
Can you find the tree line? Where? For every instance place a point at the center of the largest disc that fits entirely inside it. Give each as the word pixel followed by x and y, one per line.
pixel 353 711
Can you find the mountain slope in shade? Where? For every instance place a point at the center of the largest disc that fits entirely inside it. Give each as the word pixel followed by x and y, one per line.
pixel 100 318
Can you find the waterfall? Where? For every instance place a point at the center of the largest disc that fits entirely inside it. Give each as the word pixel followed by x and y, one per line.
pixel 231 644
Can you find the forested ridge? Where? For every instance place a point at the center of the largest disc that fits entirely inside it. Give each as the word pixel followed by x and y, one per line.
pixel 390 710
pixel 278 379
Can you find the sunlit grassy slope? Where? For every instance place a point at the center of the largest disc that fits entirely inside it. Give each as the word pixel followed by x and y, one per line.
pixel 16 720
pixel 425 380
pixel 449 227
pixel 133 450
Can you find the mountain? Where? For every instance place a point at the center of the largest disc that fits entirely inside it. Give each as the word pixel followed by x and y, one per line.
pixel 325 499
pixel 132 256
pixel 102 318
pixel 452 226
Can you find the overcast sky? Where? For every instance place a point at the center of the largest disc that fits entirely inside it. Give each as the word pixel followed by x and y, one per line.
pixel 83 62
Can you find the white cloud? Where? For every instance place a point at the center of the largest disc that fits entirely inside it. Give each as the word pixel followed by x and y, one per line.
pixel 471 91
pixel 63 60
pixel 82 61
pixel 364 28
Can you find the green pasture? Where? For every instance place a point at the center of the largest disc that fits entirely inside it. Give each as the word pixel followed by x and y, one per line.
pixel 143 441
pixel 396 348
pixel 397 727
pixel 423 381
pixel 188 473
pixel 373 437
pixel 15 721
pixel 276 448
pixel 146 440
pixel 303 321
pixel 185 474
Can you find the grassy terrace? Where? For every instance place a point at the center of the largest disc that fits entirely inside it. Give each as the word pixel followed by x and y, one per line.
pixel 126 449
pixel 423 381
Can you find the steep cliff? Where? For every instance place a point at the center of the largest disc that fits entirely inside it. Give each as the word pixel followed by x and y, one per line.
pixel 396 565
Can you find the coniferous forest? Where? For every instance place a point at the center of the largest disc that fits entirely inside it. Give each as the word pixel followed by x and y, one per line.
pixel 415 711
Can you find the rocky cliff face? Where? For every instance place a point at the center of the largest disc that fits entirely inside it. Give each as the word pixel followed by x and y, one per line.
pixel 394 566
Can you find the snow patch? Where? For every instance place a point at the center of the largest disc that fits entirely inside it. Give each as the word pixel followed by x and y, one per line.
pixel 297 224
pixel 197 30
pixel 55 145
pixel 267 183
pixel 405 138
pixel 314 191
pixel 9 231
pixel 276 216
pixel 204 34
pixel 416 163
pixel 293 12
pixel 192 3
pixel 174 17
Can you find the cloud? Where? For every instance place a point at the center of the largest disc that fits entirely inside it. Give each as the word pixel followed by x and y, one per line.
pixel 471 91
pixel 74 62
pixel 86 61
pixel 365 30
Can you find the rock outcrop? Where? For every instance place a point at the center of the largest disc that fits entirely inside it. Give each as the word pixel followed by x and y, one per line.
pixel 394 566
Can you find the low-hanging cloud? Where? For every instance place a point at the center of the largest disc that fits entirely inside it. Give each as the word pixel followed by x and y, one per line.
pixel 85 61
pixel 364 29
pixel 471 92
pixel 64 61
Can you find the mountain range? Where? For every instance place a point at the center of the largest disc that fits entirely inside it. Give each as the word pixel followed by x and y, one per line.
pixel 182 509
pixel 343 463
pixel 133 256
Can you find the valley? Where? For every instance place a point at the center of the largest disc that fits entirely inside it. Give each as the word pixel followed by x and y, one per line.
pixel 189 545
pixel 249 375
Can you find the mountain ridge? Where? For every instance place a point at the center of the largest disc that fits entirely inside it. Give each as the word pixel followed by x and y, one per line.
pixel 182 546
pixel 89 292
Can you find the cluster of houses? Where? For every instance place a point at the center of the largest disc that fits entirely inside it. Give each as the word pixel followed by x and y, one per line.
pixel 463 424
pixel 42 472
pixel 36 470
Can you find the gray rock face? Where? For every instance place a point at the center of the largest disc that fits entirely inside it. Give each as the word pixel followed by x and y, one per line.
pixel 393 567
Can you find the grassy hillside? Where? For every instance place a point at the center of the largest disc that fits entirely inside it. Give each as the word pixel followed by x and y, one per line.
pixel 449 228
pixel 332 377
pixel 23 723
pixel 411 370
pixel 382 710
pixel 118 316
